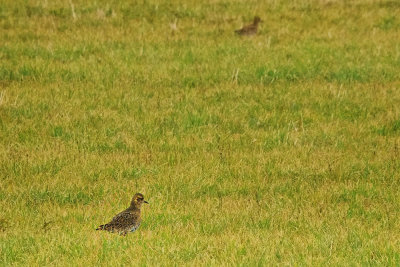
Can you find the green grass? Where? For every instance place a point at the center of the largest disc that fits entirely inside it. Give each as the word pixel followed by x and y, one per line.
pixel 283 148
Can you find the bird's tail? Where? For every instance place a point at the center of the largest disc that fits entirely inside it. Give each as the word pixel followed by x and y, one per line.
pixel 102 227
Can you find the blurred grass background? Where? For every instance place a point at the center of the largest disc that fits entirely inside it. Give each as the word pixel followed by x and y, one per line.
pixel 282 148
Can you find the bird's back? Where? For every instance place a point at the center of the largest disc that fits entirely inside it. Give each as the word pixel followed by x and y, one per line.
pixel 247 30
pixel 125 221
pixel 250 29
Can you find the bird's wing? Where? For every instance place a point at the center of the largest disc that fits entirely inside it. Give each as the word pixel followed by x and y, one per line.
pixel 124 218
pixel 248 29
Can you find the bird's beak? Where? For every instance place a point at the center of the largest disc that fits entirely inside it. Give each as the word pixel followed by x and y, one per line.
pixel 146 202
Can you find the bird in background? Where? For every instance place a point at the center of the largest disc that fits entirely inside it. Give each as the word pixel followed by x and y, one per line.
pixel 127 220
pixel 250 29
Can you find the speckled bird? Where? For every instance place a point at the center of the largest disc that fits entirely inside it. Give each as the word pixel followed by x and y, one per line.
pixel 128 220
pixel 250 29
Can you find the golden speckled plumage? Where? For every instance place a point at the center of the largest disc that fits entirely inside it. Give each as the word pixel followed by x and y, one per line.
pixel 127 220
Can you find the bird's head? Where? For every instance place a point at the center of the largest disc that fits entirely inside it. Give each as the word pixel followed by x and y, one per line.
pixel 257 20
pixel 138 200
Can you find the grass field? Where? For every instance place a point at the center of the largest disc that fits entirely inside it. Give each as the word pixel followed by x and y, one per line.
pixel 282 148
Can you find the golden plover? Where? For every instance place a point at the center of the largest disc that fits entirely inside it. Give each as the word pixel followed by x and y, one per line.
pixel 250 29
pixel 128 220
